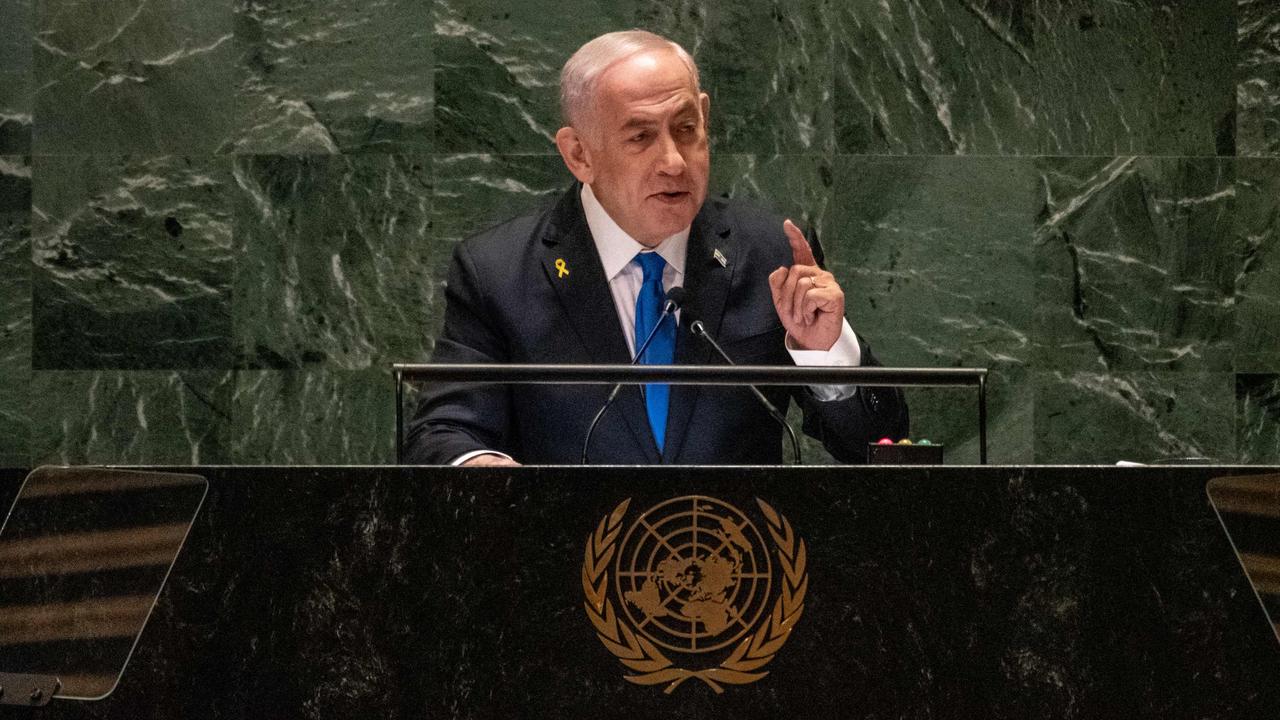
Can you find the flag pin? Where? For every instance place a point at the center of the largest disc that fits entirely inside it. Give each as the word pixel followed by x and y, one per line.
pixel 719 256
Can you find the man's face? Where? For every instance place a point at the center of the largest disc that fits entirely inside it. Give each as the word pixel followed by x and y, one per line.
pixel 646 145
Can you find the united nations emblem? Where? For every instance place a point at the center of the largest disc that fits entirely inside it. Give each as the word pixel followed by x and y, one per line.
pixel 693 577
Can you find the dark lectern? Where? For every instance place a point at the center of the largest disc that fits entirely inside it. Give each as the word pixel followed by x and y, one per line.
pixel 599 592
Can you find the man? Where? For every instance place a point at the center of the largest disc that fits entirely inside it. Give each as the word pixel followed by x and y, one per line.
pixel 583 282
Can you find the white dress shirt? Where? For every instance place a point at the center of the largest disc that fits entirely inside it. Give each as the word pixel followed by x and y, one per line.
pixel 617 250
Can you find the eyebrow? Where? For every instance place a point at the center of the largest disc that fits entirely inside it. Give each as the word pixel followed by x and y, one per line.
pixel 640 121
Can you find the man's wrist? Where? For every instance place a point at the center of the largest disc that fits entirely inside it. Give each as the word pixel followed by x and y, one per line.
pixel 844 353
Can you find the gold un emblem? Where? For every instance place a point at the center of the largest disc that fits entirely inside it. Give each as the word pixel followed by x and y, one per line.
pixel 692 578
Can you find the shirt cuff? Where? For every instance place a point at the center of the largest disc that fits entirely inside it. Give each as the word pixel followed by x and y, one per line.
pixel 476 453
pixel 844 353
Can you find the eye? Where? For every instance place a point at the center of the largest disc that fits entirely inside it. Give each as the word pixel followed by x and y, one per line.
pixel 689 127
pixel 639 137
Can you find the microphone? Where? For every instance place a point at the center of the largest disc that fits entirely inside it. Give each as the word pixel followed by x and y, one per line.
pixel 674 299
pixel 700 330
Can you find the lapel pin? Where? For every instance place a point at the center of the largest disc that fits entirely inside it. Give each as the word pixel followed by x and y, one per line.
pixel 719 256
pixel 561 268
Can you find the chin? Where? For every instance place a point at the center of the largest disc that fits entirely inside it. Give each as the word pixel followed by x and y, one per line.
pixel 673 220
pixel 662 232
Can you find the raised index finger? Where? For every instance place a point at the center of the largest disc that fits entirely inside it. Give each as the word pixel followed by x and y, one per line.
pixel 801 253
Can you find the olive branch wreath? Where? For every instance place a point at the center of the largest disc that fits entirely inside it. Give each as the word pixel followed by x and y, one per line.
pixel 643 656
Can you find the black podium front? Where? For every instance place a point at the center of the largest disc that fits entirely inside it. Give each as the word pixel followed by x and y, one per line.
pixel 1002 592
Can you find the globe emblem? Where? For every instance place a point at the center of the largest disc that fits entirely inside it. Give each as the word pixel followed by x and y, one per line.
pixel 693 574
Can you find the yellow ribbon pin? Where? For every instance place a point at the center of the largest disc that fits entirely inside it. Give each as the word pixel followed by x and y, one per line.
pixel 561 268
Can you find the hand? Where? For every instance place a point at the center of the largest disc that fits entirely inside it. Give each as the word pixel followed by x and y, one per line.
pixel 808 299
pixel 490 460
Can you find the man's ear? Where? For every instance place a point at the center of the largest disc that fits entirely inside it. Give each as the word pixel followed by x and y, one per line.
pixel 577 156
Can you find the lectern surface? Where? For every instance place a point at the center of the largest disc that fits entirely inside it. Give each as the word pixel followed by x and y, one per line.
pixel 957 592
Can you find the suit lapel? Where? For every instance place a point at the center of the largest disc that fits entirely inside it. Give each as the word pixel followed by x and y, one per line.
pixel 708 283
pixel 573 268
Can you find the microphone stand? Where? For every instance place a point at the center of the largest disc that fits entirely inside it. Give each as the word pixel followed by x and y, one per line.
pixel 675 297
pixel 700 330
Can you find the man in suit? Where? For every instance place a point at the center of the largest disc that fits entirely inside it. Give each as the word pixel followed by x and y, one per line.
pixel 583 282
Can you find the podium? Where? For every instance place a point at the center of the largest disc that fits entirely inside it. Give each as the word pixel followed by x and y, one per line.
pixel 626 592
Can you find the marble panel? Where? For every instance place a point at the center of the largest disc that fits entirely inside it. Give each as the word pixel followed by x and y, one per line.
pixel 473 193
pixel 766 65
pixel 1257 314
pixel 800 187
pixel 476 192
pixel 935 255
pixel 1004 77
pixel 116 76
pixel 327 77
pixel 142 417
pixel 332 260
pixel 15 310
pixel 1136 77
pixel 15 77
pixel 313 417
pixel 1258 418
pixel 949 417
pixel 1135 264
pixel 497 67
pixel 1094 417
pixel 1258 77
pixel 935 77
pixel 498 64
pixel 133 261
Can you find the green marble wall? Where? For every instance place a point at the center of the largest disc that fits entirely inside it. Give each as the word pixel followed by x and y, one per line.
pixel 219 222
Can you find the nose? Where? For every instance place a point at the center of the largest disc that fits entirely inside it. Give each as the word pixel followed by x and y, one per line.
pixel 670 160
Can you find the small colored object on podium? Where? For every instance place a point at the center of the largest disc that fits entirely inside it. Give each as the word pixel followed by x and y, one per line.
pixel 904 452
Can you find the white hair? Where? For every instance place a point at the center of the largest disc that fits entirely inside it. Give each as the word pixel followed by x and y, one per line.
pixel 580 73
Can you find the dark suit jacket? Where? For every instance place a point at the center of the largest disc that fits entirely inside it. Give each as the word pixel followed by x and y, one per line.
pixel 507 303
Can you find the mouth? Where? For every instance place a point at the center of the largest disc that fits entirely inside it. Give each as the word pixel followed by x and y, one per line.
pixel 671 197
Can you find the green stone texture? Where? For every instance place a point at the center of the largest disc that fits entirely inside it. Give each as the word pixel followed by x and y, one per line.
pixel 771 97
pixel 498 63
pixel 15 77
pixel 1042 76
pixel 1257 343
pixel 133 262
pixel 139 417
pixel 476 192
pixel 936 260
pixel 313 417
pixel 1135 264
pixel 229 219
pixel 1258 78
pixel 497 66
pixel 1258 418
pixel 1092 417
pixel 332 77
pixel 800 187
pixel 332 260
pixel 128 76
pixel 15 309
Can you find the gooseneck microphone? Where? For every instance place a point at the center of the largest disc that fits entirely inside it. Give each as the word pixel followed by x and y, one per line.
pixel 674 299
pixel 700 330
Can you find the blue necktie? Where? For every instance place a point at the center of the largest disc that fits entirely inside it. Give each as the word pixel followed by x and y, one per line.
pixel 662 349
